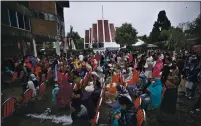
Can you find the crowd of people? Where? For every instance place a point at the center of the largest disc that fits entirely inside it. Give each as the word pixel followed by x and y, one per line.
pixel 153 76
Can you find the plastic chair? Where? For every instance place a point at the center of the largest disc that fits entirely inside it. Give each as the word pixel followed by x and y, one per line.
pixel 43 79
pixel 21 74
pixel 94 121
pixel 8 107
pixel 42 88
pixel 27 96
pixel 141 117
pixel 14 76
pixel 137 102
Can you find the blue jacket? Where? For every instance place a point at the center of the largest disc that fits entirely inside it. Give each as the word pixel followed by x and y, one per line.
pixel 156 93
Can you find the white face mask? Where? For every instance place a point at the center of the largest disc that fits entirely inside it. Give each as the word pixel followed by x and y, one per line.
pixel 115 73
pixel 152 81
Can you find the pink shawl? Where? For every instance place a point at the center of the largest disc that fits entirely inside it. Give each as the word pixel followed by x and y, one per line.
pixel 157 68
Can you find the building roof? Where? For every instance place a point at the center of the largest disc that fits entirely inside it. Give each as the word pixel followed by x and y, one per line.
pixel 102 31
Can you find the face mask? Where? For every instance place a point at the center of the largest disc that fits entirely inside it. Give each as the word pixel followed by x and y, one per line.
pixel 114 73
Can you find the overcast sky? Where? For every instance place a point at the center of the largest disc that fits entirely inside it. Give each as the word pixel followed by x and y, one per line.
pixel 142 15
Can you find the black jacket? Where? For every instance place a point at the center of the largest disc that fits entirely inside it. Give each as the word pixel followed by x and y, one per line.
pixel 128 116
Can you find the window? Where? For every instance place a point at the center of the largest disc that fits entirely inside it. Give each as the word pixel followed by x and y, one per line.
pixel 20 18
pixel 46 16
pixel 27 23
pixel 5 18
pixel 13 18
pixel 35 14
pixel 41 16
pixel 52 17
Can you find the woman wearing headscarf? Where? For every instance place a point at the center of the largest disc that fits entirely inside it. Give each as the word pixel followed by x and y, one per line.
pixel 148 66
pixel 121 91
pixel 127 115
pixel 64 95
pixel 168 104
pixel 30 85
pixel 155 88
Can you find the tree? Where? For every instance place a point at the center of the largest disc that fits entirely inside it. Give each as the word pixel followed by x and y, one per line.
pixel 193 30
pixel 162 23
pixel 48 45
pixel 75 36
pixel 80 43
pixel 144 38
pixel 176 39
pixel 126 34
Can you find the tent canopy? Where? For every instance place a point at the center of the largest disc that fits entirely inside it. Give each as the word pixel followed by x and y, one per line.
pixel 151 46
pixel 111 45
pixel 138 43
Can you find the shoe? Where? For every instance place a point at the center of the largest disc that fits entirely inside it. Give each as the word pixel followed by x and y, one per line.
pixel 198 110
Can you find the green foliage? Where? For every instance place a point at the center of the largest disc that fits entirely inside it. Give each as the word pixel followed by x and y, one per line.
pixel 162 23
pixel 193 30
pixel 144 38
pixel 48 45
pixel 176 39
pixel 126 34
pixel 79 42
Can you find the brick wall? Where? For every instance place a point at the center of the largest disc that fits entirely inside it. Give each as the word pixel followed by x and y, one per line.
pixel 43 6
pixel 107 33
pixel 100 31
pixel 90 34
pixel 43 27
pixel 86 36
pixel 112 30
pixel 94 27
